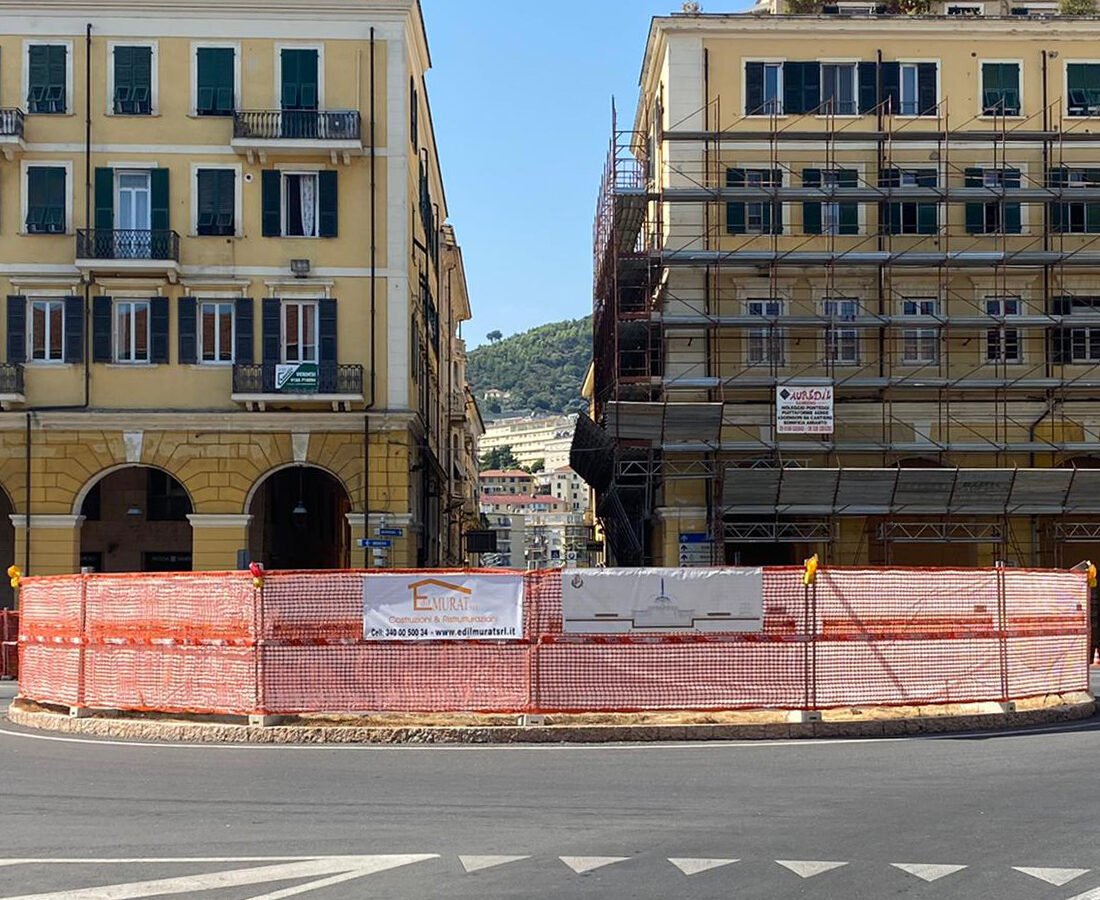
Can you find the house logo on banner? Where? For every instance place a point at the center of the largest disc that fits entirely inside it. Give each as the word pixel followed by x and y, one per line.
pixel 454 608
pixel 804 410
pixel 623 601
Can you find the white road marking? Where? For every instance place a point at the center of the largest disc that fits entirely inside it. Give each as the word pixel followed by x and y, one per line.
pixel 309 887
pixel 152 859
pixel 695 866
pixel 1094 894
pixel 926 871
pixel 351 866
pixel 477 863
pixel 807 868
pixel 1057 877
pixel 582 864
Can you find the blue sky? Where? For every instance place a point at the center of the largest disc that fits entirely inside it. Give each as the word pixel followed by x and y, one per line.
pixel 521 100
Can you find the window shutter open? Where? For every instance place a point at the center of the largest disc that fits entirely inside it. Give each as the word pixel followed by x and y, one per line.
pixel 735 211
pixel 811 86
pixel 975 212
pixel 792 87
pixel 848 212
pixel 777 207
pixel 326 314
pixel 17 329
pixel 272 201
pixel 158 188
pixel 158 329
pixel 272 309
pixel 104 199
pixel 242 351
pixel 754 88
pixel 1092 218
pixel 101 330
pixel 1012 211
pixel 926 89
pixel 811 212
pixel 74 329
pixel 927 218
pixel 327 204
pixel 868 87
pixel 187 327
pixel 891 86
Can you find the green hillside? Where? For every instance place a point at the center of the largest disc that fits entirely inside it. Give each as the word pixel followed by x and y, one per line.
pixel 542 368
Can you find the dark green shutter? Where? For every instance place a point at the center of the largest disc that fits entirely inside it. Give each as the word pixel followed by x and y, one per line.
pixel 754 88
pixel 975 212
pixel 215 81
pixel 1061 345
pixel 272 203
pixel 328 204
pixel 46 78
pixel 158 190
pixel 299 79
pixel 1012 214
pixel 74 329
pixel 101 330
pixel 811 86
pixel 216 202
pixel 104 199
pixel 158 328
pixel 272 330
pixel 1092 218
pixel 811 211
pixel 927 218
pixel 848 212
pixel 891 86
pixel 242 351
pixel 326 330
pixel 187 329
pixel 926 89
pixel 735 211
pixel 777 207
pixel 17 329
pixel 868 87
pixel 795 89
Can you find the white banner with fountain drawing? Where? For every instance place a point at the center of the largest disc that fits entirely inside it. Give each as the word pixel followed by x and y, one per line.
pixel 661 601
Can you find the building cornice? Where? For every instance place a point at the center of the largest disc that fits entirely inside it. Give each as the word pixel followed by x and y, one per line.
pixel 206 421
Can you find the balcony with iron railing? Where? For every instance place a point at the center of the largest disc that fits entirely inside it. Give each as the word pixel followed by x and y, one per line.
pixel 457 406
pixel 297 130
pixel 11 131
pixel 260 385
pixel 128 249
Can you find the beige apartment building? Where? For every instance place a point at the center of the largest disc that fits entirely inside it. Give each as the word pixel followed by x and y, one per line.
pixel 532 438
pixel 847 294
pixel 231 298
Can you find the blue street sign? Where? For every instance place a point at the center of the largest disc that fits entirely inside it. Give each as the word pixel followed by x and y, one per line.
pixel 391 532
pixel 375 544
pixel 693 538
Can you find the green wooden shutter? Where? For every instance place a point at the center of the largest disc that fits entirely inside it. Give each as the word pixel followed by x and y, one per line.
pixel 735 211
pixel 811 86
pixel 104 199
pixel 272 203
pixel 891 85
pixel 242 350
pixel 38 77
pixel 754 88
pixel 848 212
pixel 792 87
pixel 74 329
pixel 124 78
pixel 187 330
pixel 158 329
pixel 975 212
pixel 1012 214
pixel 216 202
pixel 926 89
pixel 158 190
pixel 271 328
pixel 17 329
pixel 58 83
pixel 101 330
pixel 811 211
pixel 215 90
pixel 299 79
pixel 868 87
pixel 777 207
pixel 328 204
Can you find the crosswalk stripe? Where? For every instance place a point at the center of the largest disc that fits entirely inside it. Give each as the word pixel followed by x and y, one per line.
pixel 807 868
pixel 582 864
pixel 691 866
pixel 477 863
pixel 1057 877
pixel 926 871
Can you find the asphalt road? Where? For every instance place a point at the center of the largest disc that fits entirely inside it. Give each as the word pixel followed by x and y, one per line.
pixel 266 822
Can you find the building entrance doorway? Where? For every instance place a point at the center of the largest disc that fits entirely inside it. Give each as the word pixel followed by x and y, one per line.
pixel 299 521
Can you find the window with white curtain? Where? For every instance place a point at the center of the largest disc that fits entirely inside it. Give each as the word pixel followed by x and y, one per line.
pixel 300 213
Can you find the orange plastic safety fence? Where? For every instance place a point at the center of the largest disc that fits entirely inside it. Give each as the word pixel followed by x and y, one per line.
pixel 211 642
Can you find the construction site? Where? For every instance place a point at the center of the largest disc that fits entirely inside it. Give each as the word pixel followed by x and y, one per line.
pixel 911 235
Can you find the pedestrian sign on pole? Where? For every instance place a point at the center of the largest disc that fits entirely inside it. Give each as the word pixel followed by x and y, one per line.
pixel 375 544
pixel 391 532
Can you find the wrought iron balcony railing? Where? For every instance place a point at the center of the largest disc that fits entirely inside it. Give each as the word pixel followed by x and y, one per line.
pixel 331 378
pixel 296 124
pixel 11 378
pixel 11 123
pixel 114 243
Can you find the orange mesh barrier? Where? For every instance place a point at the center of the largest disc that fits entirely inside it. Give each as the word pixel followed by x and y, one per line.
pixel 211 642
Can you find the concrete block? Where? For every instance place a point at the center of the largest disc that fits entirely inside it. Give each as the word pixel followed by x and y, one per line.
pixel 79 712
pixel 803 716
pixel 527 720
pixel 264 721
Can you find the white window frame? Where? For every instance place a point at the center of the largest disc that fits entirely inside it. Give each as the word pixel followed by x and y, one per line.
pixel 835 338
pixel 280 46
pixel 116 314
pixel 238 194
pixel 861 208
pixel 68 44
pixel 1019 63
pixel 235 46
pixel 231 302
pixel 920 333
pixel 773 339
pixel 48 301
pixel 1091 332
pixel 25 166
pixel 300 301
pixel 1022 168
pixel 117 199
pixel 1001 331
pixel 854 63
pixel 154 78
pixel 283 173
pixel 915 61
pixel 767 61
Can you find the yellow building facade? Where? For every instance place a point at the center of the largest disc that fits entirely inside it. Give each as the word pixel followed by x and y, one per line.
pixel 231 301
pixel 898 212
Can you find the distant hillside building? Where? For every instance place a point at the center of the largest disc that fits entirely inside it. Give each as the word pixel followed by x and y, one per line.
pixel 508 482
pixel 532 438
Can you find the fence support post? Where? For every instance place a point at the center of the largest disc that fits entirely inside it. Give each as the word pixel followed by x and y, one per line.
pixel 80 709
pixel 809 711
pixel 1002 629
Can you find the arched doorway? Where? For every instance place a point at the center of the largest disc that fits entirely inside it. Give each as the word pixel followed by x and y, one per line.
pixel 135 520
pixel 299 520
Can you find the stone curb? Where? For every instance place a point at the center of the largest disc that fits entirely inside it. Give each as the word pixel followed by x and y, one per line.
pixel 204 733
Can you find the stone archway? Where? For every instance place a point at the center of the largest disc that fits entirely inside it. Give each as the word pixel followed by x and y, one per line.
pixel 135 520
pixel 300 519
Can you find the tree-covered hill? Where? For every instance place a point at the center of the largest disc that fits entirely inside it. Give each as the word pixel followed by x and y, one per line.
pixel 542 369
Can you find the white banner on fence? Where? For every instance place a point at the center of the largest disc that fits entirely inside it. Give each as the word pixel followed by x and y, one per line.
pixel 618 601
pixel 803 410
pixel 446 607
